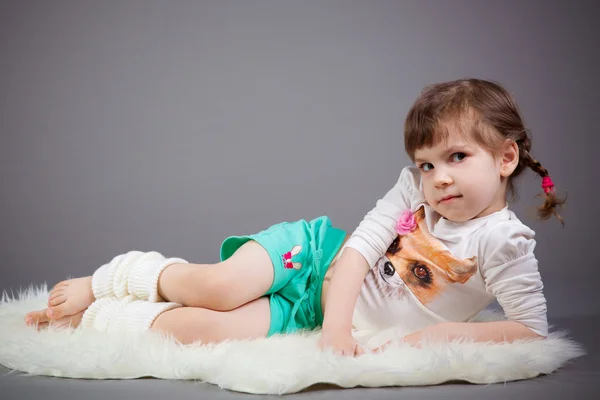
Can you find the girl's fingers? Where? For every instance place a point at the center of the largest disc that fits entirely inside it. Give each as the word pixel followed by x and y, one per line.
pixel 358 350
pixel 381 348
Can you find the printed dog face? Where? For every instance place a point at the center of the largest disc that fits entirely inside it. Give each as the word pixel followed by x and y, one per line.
pixel 423 263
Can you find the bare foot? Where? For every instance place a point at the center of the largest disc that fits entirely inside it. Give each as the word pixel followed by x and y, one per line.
pixel 40 320
pixel 70 297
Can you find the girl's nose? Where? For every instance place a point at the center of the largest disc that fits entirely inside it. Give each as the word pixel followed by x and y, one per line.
pixel 442 179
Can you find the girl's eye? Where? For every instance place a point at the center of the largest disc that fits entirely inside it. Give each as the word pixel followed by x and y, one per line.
pixel 426 167
pixel 458 157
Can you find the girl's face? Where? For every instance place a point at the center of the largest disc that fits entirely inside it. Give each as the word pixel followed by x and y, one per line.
pixel 461 180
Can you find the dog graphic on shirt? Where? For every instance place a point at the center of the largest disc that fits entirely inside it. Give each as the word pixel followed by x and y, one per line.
pixel 423 263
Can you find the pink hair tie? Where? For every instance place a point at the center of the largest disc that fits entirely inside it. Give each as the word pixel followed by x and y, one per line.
pixel 547 184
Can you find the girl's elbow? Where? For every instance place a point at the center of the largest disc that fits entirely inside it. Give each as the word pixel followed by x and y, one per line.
pixel 529 333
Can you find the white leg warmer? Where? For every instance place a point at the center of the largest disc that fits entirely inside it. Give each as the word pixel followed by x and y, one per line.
pixel 133 273
pixel 126 315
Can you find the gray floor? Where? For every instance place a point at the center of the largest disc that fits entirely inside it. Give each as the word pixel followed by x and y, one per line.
pixel 578 380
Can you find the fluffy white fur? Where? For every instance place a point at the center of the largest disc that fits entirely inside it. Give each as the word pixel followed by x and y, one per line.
pixel 277 365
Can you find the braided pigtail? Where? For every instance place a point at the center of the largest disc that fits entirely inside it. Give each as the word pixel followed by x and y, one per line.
pixel 552 202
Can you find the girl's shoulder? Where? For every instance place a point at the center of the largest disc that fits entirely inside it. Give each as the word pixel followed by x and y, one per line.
pixel 410 178
pixel 506 240
pixel 410 182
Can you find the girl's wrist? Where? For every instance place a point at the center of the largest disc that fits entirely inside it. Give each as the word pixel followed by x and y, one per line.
pixel 336 328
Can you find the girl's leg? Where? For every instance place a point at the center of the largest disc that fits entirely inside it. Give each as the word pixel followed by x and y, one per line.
pixel 185 324
pixel 245 276
pixel 190 324
pixel 224 286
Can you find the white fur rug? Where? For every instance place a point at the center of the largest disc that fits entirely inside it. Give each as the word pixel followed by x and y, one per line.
pixel 277 365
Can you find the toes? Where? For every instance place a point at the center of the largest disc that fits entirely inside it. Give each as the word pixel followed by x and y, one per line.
pixel 59 285
pixel 39 316
pixel 58 289
pixel 56 292
pixel 36 317
pixel 55 312
pixel 54 296
pixel 55 301
pixel 41 325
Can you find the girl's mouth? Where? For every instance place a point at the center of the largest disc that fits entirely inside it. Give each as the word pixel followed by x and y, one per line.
pixel 449 199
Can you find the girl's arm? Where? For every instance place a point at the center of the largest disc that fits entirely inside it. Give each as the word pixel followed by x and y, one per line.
pixel 348 276
pixel 367 244
pixel 377 230
pixel 510 271
pixel 495 331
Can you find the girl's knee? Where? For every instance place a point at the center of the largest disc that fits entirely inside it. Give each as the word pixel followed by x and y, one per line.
pixel 177 324
pixel 211 287
pixel 164 321
pixel 224 286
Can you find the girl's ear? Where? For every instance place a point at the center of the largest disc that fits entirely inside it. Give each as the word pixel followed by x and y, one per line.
pixel 509 158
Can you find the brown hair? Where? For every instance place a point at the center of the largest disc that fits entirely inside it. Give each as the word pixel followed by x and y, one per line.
pixel 490 115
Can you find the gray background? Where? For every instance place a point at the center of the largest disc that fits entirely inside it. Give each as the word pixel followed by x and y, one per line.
pixel 169 126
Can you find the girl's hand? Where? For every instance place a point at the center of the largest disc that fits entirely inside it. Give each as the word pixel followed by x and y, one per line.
pixel 343 344
pixel 413 339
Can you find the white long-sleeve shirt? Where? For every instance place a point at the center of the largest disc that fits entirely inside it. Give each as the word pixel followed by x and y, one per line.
pixel 506 267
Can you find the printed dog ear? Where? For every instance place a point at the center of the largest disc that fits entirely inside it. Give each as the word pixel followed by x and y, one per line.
pixel 395 246
pixel 420 217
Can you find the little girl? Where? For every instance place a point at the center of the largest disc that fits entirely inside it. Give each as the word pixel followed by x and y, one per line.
pixel 438 248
